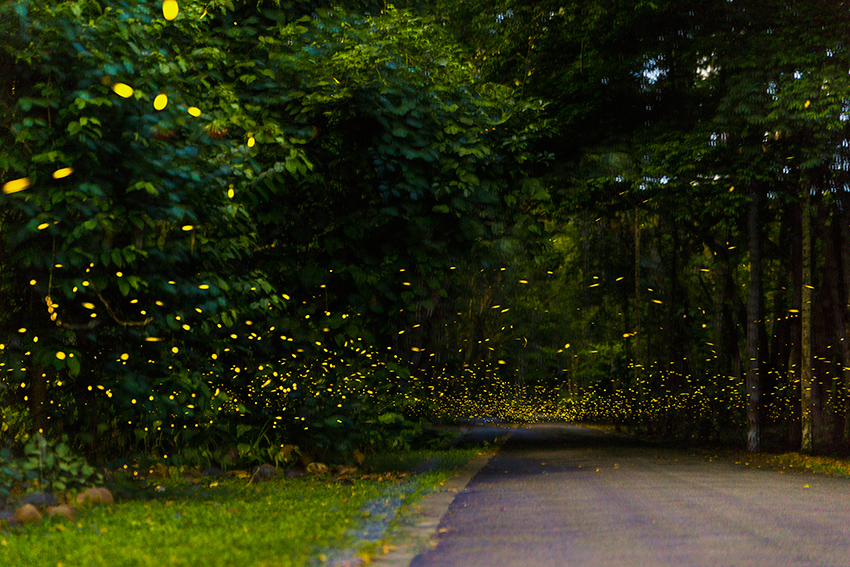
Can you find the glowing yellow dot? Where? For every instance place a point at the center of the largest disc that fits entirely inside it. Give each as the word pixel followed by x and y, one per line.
pixel 125 356
pixel 22 330
pixel 119 274
pixel 175 350
pixel 194 111
pixel 62 173
pixel 123 90
pixel 43 225
pixel 88 305
pixel 204 286
pixel 251 142
pixel 16 185
pixel 32 282
pixel 808 102
pixel 185 327
pixel 60 355
pixel 230 193
pixel 170 9
pixel 160 102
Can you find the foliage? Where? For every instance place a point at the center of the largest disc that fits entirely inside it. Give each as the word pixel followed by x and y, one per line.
pixel 344 218
pixel 45 466
pixel 209 213
pixel 670 117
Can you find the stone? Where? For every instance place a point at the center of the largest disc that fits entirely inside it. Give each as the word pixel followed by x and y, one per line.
pixel 62 511
pixel 212 471
pixel 7 517
pixel 27 514
pixel 344 470
pixel 39 499
pixel 95 495
pixel 295 472
pixel 317 468
pixel 263 472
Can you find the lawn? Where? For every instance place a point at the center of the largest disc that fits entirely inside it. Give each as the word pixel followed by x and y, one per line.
pixel 231 521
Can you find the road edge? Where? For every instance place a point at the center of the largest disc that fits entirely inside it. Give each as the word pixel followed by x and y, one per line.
pixel 417 530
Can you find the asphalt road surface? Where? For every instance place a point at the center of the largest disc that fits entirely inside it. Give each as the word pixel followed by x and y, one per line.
pixel 566 495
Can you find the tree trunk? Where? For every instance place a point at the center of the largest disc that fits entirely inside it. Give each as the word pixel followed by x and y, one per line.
pixel 842 244
pixel 637 335
pixel 806 322
pixel 833 286
pixel 753 320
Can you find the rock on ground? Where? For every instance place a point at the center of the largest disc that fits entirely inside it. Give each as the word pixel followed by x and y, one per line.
pixel 27 514
pixel 95 495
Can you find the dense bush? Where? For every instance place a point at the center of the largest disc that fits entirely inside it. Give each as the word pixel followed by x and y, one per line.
pixel 43 465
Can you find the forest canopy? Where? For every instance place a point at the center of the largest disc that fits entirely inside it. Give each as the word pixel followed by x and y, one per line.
pixel 270 224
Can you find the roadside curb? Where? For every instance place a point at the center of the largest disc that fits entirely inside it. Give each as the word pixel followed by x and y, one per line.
pixel 417 528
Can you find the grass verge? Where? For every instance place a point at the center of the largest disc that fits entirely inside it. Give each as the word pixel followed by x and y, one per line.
pixel 788 461
pixel 791 462
pixel 281 522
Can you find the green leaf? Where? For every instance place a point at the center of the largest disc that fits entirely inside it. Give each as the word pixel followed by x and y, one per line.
pixel 124 286
pixel 73 366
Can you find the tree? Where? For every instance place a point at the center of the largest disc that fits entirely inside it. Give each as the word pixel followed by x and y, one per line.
pixel 234 187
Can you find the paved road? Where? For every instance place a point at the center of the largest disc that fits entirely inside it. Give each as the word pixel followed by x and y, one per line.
pixel 560 495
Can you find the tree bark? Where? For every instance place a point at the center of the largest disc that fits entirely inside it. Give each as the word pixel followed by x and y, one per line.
pixel 637 334
pixel 842 242
pixel 806 321
pixel 833 286
pixel 753 319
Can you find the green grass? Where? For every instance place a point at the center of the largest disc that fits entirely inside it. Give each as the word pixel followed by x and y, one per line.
pixel 799 462
pixel 282 522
